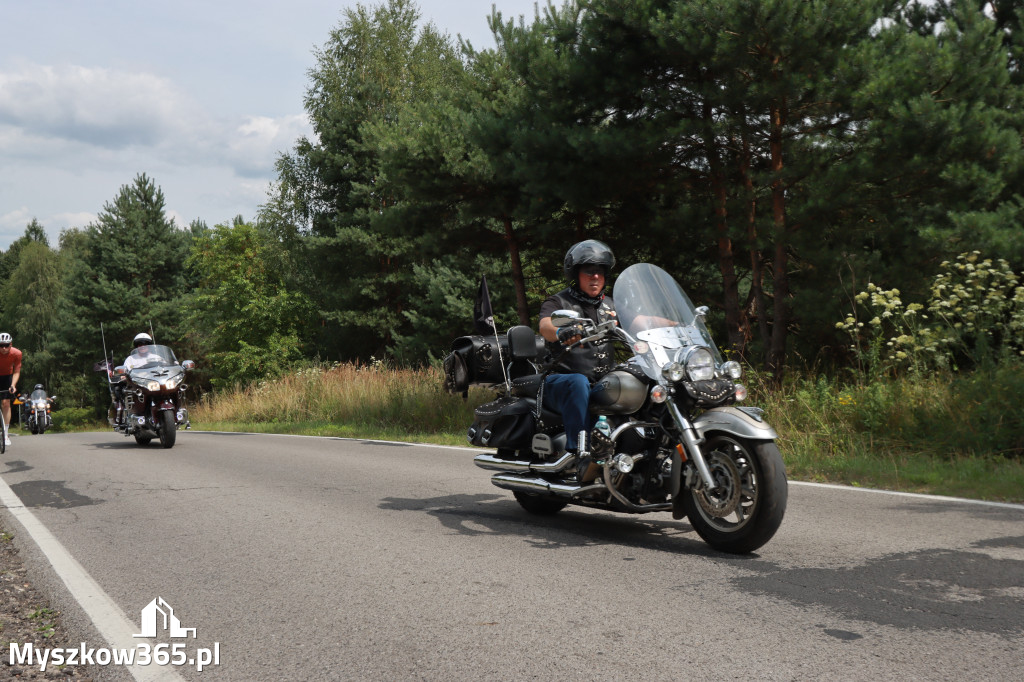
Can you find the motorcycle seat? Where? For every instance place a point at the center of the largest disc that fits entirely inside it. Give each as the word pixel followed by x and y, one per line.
pixel 527 386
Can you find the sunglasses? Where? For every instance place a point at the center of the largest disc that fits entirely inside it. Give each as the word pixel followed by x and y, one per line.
pixel 5 345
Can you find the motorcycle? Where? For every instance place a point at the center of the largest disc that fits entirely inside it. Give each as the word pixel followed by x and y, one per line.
pixel 149 396
pixel 35 410
pixel 676 440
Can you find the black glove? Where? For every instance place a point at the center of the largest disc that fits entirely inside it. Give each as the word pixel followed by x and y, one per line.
pixel 568 333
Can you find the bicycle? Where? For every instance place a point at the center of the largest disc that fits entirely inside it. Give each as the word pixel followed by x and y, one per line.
pixel 3 434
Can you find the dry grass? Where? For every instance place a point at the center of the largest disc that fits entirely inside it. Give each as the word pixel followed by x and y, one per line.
pixel 376 397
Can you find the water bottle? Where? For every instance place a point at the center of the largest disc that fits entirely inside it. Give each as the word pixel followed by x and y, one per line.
pixel 603 427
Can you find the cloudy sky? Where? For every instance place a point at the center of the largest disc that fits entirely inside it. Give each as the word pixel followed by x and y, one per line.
pixel 201 95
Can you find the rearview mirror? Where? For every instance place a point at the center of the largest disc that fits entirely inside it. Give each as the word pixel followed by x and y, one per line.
pixel 562 318
pixel 188 364
pixel 119 370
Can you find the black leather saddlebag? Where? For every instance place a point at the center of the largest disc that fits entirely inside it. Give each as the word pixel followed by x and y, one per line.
pixel 476 360
pixel 504 423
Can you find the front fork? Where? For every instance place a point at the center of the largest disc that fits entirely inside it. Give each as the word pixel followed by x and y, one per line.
pixel 691 441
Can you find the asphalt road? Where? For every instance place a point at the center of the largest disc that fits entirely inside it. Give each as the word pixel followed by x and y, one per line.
pixel 319 558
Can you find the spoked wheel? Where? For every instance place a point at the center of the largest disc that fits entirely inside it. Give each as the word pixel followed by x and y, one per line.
pixel 538 504
pixel 748 502
pixel 168 429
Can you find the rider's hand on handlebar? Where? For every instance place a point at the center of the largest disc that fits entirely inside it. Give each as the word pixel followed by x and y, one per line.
pixel 570 334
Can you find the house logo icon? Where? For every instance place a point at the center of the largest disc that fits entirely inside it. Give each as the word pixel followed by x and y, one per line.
pixel 158 614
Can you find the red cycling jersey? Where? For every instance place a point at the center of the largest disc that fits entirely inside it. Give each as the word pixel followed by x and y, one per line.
pixel 10 362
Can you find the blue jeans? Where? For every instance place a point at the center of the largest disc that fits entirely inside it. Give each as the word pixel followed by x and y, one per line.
pixel 569 395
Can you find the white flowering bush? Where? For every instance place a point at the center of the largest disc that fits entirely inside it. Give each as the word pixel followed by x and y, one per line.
pixel 975 307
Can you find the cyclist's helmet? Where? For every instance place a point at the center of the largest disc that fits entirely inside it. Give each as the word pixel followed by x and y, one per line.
pixel 142 339
pixel 587 252
pixel 5 338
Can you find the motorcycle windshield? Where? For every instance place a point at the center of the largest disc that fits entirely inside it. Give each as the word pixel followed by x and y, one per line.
pixel 148 357
pixel 38 394
pixel 655 310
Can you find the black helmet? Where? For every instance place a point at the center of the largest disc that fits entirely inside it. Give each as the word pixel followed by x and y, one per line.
pixel 587 252
pixel 38 387
pixel 142 339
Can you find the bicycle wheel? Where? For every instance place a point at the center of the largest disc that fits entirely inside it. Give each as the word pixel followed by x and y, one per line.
pixel 3 435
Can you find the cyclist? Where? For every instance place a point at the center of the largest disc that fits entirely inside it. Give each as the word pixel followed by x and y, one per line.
pixel 10 372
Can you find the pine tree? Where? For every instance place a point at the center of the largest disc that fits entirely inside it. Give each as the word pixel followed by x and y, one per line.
pixel 125 271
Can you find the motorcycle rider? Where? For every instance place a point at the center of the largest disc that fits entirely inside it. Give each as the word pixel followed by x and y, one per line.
pixel 141 355
pixel 137 358
pixel 10 372
pixel 568 390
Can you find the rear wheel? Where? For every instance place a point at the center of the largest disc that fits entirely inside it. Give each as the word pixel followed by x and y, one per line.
pixel 168 429
pixel 746 507
pixel 538 504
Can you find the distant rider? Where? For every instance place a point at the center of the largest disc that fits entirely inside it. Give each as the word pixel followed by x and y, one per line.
pixel 10 372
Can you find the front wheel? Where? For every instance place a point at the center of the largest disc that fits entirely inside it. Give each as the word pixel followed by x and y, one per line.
pixel 168 429
pixel 143 440
pixel 746 507
pixel 538 504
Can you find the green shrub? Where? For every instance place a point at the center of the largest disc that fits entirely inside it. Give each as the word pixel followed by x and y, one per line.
pixel 72 418
pixel 974 315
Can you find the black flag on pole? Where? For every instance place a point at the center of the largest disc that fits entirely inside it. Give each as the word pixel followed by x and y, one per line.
pixel 483 314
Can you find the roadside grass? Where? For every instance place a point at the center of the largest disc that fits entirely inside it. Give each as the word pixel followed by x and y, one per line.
pixel 959 435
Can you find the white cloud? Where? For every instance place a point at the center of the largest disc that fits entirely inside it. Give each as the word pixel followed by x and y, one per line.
pixel 77 134
pixel 80 219
pixel 94 106
pixel 254 145
pixel 73 115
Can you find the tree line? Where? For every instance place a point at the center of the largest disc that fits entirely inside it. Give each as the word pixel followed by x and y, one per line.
pixel 775 155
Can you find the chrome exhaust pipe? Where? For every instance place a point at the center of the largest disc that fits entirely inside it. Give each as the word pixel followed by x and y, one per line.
pixel 541 486
pixel 493 463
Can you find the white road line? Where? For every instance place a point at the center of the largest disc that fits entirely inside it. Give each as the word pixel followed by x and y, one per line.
pixel 939 498
pixel 98 606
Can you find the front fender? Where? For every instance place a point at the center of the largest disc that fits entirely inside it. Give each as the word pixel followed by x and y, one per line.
pixel 736 421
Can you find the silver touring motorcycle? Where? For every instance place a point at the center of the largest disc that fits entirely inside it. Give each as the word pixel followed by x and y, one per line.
pixel 676 439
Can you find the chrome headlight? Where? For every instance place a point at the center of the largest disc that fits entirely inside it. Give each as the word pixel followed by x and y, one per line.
pixel 700 363
pixel 174 381
pixel 673 371
pixel 39 405
pixel 152 385
pixel 732 369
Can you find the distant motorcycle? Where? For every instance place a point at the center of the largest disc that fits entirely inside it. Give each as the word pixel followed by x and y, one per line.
pixel 35 410
pixel 151 400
